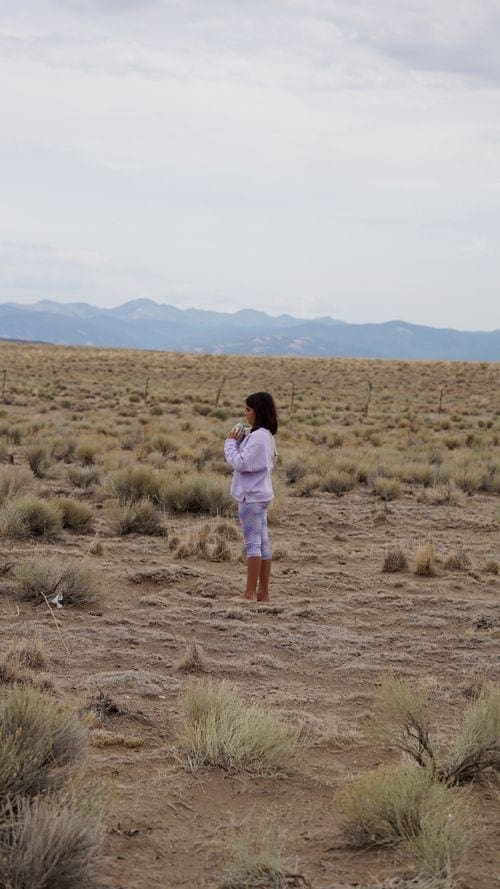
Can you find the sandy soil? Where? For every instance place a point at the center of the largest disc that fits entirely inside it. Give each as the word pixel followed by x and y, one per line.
pixel 335 623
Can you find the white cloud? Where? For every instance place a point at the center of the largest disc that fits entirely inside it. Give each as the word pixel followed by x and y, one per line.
pixel 296 155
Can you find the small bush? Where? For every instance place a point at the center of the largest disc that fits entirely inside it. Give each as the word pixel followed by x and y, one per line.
pixel 255 859
pixel 76 584
pixel 387 488
pixel 79 585
pixel 395 560
pixel 87 452
pixel 221 732
pixel 338 482
pixel 198 493
pixel 457 561
pixel 38 457
pixel 446 833
pixel 492 567
pixel 84 476
pixel 204 543
pixel 425 561
pixel 135 483
pixel 48 842
pixel 29 517
pixel 75 515
pixel 30 654
pixel 141 517
pixel 14 480
pixel 193 660
pixel 401 719
pixel 383 807
pixel 64 449
pixel 477 743
pixel 39 741
pixel 34 578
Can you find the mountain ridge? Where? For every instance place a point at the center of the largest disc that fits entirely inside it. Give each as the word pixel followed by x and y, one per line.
pixel 146 324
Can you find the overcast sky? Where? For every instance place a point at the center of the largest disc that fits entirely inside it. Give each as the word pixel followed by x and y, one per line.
pixel 316 157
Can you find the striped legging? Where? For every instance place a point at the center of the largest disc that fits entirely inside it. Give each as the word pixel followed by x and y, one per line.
pixel 253 519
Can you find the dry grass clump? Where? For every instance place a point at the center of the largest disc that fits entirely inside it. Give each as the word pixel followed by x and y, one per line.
pixel 395 560
pixel 63 449
pixel 255 859
pixel 135 483
pixel 457 560
pixel 387 488
pixel 193 660
pixel 492 567
pixel 14 480
pixel 141 517
pixel 39 458
pixel 84 476
pixel 30 517
pixel 447 493
pixel 198 493
pixel 39 742
pixel 87 452
pixel 402 806
pixel 75 515
pixel 338 481
pixel 425 560
pixel 36 579
pixel 31 653
pixel 220 731
pixel 208 543
pixel 48 842
pixel 446 834
pixel 383 807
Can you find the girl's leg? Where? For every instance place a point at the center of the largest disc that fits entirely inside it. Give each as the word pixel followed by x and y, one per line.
pixel 265 568
pixel 264 575
pixel 251 524
pixel 253 574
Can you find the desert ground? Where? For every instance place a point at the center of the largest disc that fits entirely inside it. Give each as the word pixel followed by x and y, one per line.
pixel 374 456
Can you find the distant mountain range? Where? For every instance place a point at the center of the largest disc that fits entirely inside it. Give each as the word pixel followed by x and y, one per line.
pixel 144 324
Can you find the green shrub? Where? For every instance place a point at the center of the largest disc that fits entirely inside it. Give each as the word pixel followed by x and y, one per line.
pixel 38 457
pixel 14 480
pixel 198 493
pixel 29 517
pixel 383 807
pixel 222 732
pixel 337 481
pixel 134 483
pixel 76 516
pixel 255 858
pixel 387 488
pixel 84 476
pixel 76 584
pixel 140 517
pixel 446 834
pixel 48 843
pixel 477 743
pixel 39 741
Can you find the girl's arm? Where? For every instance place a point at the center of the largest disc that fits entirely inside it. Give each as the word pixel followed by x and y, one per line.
pixel 251 459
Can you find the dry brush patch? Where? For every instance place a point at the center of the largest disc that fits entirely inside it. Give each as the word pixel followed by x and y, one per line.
pixel 220 731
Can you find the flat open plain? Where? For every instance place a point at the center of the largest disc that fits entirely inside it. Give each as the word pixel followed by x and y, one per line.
pixel 336 623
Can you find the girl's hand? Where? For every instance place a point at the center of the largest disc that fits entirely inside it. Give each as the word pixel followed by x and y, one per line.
pixel 237 434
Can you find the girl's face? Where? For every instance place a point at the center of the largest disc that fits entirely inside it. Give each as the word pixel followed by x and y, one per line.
pixel 250 415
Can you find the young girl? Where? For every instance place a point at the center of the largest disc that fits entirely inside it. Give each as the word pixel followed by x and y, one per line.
pixel 252 458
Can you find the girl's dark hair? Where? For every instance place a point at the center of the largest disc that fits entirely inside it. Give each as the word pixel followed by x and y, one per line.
pixel 265 411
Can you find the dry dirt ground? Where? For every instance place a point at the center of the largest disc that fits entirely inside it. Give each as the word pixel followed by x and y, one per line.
pixel 335 624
